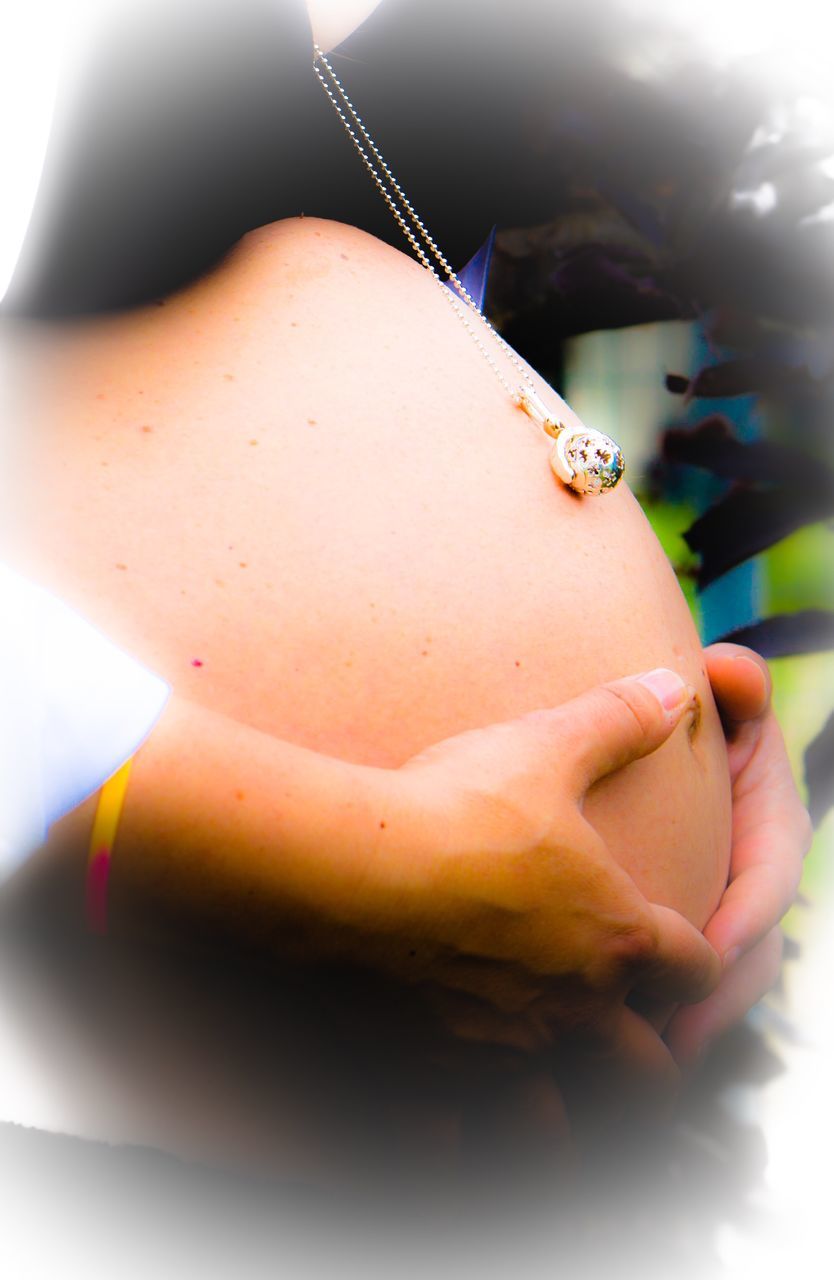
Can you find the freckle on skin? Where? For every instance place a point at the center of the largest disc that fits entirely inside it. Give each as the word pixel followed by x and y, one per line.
pixel 240 795
pixel 229 377
pixel 382 826
pixel 312 422
pixel 146 430
pixel 344 256
pixel 119 565
pixel 243 564
pixel 253 442
pixel 517 663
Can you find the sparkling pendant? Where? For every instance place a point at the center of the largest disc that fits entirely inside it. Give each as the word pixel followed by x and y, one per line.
pixel 587 461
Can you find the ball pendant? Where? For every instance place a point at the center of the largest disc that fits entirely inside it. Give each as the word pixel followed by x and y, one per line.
pixel 588 461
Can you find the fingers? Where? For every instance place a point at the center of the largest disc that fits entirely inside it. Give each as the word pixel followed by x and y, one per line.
pixel 753 903
pixel 644 1060
pixel 684 967
pixel 521 1119
pixel 740 681
pixel 610 726
pixel 771 835
pixel 693 1029
pixel 627 1076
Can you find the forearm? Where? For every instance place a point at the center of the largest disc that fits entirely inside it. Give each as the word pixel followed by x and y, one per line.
pixel 228 830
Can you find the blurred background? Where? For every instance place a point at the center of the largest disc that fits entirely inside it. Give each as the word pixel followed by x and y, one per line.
pixel 678 290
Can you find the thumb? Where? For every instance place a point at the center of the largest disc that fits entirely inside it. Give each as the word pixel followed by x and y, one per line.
pixel 609 726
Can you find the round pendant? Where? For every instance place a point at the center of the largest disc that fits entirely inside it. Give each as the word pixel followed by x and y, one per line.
pixel 588 461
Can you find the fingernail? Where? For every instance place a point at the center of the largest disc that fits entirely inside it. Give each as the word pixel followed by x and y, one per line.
pixel 671 691
pixel 729 958
pixel 742 657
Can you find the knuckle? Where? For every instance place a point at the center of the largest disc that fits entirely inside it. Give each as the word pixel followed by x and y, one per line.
pixel 630 704
pixel 629 949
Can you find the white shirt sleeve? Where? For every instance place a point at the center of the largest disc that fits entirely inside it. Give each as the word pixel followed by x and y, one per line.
pixel 73 708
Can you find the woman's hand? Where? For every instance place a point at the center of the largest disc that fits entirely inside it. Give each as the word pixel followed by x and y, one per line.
pixel 771 835
pixel 526 929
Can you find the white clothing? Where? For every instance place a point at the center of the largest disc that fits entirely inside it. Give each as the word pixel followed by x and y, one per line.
pixel 73 708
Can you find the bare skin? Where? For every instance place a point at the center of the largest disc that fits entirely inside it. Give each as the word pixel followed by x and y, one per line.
pixel 763 880
pixel 296 491
pixel 308 439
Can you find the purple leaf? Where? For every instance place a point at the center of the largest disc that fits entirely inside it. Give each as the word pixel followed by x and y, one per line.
pixel 741 377
pixel 580 290
pixel 748 521
pixel 712 446
pixel 734 378
pixel 788 634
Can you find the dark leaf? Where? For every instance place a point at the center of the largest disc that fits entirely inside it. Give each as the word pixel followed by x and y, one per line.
pixel 819 773
pixel 748 521
pixel 788 634
pixel 807 352
pixel 566 292
pixel 712 446
pixel 638 212
pixel 740 377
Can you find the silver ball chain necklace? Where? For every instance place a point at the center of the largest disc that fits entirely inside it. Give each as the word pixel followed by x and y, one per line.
pixel 585 460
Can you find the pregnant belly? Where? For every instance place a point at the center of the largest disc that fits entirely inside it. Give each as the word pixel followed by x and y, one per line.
pixel 297 491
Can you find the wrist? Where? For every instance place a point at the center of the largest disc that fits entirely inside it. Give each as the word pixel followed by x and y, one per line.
pixel 378 867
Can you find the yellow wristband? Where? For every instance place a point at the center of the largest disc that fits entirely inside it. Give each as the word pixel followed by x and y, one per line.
pixel 108 811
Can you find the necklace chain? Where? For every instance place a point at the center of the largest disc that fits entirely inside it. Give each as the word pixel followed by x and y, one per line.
pixel 586 460
pixel 405 214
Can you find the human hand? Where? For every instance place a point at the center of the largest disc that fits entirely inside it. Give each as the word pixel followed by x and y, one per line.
pixel 771 834
pixel 527 930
